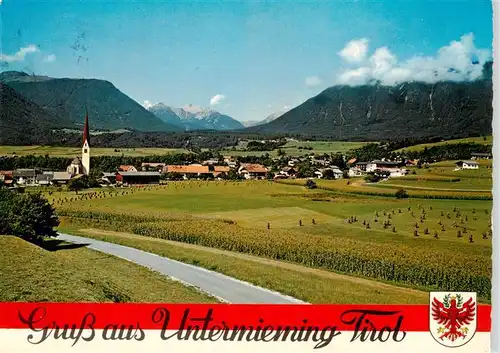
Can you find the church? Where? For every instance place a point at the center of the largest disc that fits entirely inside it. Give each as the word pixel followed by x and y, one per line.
pixel 82 166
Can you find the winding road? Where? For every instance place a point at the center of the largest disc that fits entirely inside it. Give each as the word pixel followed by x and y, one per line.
pixel 225 288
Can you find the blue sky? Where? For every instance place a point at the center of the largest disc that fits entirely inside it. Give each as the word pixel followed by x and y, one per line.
pixel 254 57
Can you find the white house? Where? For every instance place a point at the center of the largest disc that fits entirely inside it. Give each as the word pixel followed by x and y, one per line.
pixel 466 165
pixel 252 171
pixel 382 165
pixel 356 172
pixel 337 173
pixel 287 172
pixel 394 168
pixel 476 155
pixel 397 172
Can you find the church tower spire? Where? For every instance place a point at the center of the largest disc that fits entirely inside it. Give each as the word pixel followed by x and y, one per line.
pixel 86 146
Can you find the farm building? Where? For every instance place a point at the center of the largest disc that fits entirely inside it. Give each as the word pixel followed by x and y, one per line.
pixel 252 171
pixel 335 172
pixel 25 176
pixel 466 165
pixel 60 177
pixel 108 178
pixel 219 169
pixel 138 177
pixel 356 172
pixel 44 179
pixel 394 168
pixel 361 166
pixel 287 172
pixel 211 161
pixel 192 170
pixel 475 156
pixel 127 168
pixel 382 165
pixel 6 177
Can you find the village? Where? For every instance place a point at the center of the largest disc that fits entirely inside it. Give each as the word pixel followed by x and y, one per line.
pixel 227 167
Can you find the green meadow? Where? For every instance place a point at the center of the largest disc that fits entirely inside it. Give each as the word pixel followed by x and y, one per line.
pixel 486 140
pixel 299 148
pixel 71 151
pixel 436 243
pixel 60 272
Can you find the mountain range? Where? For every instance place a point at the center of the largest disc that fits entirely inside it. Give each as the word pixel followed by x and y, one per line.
pixel 374 112
pixel 270 118
pixel 67 100
pixel 31 105
pixel 23 120
pixel 191 118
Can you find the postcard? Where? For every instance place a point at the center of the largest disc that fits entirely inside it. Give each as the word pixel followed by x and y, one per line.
pixel 251 176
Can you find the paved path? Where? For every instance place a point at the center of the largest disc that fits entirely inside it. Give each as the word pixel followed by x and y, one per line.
pixel 216 284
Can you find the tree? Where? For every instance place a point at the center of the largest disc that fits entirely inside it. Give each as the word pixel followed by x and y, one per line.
pixel 328 174
pixel 338 160
pixel 371 177
pixel 76 185
pixel 27 215
pixel 401 194
pixel 233 175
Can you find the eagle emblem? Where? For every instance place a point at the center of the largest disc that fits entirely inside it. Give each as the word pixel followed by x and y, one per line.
pixel 452 317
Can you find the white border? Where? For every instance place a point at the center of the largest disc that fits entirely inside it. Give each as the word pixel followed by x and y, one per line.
pixel 495 297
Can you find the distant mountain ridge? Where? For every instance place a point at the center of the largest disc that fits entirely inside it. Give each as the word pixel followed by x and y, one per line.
pixel 192 118
pixel 376 112
pixel 66 99
pixel 22 120
pixel 269 118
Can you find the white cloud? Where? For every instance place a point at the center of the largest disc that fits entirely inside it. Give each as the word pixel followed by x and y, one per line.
pixel 457 61
pixel 50 58
pixel 313 81
pixel 217 99
pixel 20 54
pixel 355 50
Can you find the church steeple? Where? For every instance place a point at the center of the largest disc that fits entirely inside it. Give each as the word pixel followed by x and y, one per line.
pixel 86 146
pixel 86 128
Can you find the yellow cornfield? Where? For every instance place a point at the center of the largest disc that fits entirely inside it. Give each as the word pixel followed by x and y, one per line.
pixel 426 268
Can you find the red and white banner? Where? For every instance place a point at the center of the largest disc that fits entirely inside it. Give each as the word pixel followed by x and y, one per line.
pixel 451 321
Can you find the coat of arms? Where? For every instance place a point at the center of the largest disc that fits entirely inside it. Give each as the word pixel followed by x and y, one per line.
pixel 453 317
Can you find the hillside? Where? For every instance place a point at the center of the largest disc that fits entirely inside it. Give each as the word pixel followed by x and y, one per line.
pixel 22 121
pixel 198 119
pixel 485 140
pixel 109 109
pixel 377 112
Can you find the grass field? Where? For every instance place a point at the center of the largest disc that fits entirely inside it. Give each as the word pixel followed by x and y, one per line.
pixel 291 148
pixel 487 140
pixel 69 273
pixel 310 228
pixel 299 148
pixel 71 152
pixel 439 180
